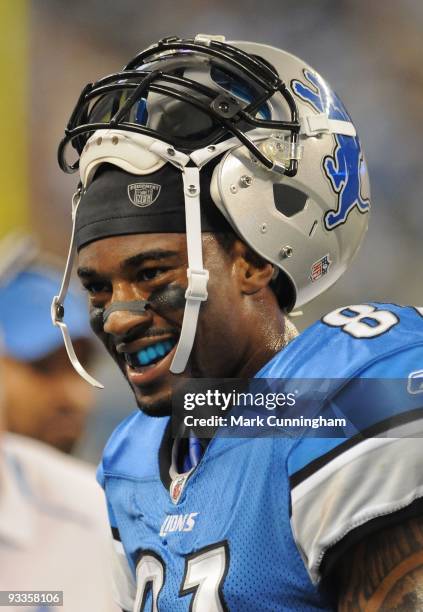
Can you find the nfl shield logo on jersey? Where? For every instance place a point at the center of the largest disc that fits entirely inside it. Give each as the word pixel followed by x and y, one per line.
pixel 143 194
pixel 177 487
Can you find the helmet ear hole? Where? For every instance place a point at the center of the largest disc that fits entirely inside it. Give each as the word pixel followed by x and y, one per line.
pixel 288 200
pixel 284 290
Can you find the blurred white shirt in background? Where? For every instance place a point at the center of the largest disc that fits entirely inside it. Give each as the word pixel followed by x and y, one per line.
pixel 53 527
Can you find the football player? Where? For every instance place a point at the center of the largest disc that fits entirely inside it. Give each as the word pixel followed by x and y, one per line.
pixel 222 184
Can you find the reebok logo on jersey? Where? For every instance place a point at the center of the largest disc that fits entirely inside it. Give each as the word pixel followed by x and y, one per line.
pixel 178 522
pixel 415 382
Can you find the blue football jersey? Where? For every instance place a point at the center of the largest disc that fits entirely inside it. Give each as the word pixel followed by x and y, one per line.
pixel 261 520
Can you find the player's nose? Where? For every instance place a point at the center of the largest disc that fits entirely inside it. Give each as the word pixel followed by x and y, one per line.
pixel 120 322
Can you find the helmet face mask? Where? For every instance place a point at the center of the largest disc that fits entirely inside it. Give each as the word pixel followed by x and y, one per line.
pixel 291 177
pixel 146 94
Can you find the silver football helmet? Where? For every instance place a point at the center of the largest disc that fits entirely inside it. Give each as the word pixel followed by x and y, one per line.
pixel 291 179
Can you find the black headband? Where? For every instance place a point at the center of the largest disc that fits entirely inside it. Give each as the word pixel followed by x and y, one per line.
pixel 117 203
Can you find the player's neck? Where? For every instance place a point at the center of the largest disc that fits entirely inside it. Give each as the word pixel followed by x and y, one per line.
pixel 270 336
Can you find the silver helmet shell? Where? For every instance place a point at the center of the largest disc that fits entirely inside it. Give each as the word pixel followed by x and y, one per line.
pixel 312 224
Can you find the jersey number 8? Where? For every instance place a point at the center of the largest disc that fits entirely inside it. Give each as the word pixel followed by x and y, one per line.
pixel 362 320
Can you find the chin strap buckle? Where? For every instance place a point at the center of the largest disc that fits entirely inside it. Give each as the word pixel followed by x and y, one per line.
pixel 316 124
pixel 197 285
pixel 57 311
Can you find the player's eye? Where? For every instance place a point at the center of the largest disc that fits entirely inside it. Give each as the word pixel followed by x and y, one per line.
pixel 149 274
pixel 97 287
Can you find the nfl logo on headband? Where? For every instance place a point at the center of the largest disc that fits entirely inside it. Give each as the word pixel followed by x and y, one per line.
pixel 143 194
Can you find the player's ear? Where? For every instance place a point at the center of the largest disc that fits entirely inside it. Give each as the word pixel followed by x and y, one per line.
pixel 252 272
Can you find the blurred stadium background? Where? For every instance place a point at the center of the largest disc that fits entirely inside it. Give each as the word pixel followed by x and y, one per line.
pixel 371 51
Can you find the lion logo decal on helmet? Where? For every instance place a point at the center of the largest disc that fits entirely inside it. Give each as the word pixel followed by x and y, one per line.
pixel 143 194
pixel 344 167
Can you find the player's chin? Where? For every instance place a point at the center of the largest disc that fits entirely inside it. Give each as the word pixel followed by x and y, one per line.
pixel 154 401
pixel 153 385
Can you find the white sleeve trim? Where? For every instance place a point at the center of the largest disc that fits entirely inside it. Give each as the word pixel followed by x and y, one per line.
pixel 374 478
pixel 124 587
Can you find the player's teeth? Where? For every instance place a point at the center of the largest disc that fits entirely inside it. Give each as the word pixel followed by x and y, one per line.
pixel 143 357
pixel 151 353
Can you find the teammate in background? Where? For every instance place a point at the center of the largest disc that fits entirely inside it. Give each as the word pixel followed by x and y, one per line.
pixel 250 146
pixel 53 524
pixel 44 397
pixel 53 527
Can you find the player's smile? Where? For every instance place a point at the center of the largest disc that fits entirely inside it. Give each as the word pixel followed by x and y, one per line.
pixel 147 360
pixel 150 364
pixel 147 354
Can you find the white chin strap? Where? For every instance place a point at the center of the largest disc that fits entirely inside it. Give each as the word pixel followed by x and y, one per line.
pixel 57 308
pixel 197 276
